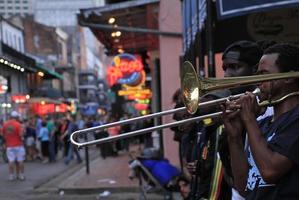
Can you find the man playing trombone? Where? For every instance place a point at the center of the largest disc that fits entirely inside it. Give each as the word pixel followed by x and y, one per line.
pixel 269 169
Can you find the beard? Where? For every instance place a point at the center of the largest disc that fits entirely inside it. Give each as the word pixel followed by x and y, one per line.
pixel 271 91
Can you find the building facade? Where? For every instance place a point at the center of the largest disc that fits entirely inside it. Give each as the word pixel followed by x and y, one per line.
pixel 9 8
pixel 85 53
pixel 61 12
pixel 15 68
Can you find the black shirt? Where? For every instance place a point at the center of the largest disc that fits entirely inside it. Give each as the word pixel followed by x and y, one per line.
pixel 282 136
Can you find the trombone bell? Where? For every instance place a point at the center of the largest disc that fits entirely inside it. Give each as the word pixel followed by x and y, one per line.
pixel 193 87
pixel 190 87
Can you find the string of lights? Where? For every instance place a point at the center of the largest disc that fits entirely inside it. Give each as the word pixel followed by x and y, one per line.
pixel 11 65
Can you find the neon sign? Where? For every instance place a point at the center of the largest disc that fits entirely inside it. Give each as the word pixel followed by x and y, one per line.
pixel 20 98
pixel 125 69
pixel 3 85
pixel 133 92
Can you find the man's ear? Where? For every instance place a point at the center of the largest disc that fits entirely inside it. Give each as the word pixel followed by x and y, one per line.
pixel 254 68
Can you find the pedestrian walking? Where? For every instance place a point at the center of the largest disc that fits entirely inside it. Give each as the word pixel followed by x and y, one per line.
pixel 44 137
pixel 13 136
pixel 30 139
pixel 72 127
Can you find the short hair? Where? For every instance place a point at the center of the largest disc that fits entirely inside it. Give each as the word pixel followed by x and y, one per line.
pixel 265 44
pixel 44 124
pixel 183 178
pixel 250 52
pixel 288 56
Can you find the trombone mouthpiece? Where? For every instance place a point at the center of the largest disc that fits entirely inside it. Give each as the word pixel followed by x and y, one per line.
pixel 257 91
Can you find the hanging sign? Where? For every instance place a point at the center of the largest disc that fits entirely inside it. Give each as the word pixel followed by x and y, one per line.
pixel 3 85
pixel 232 8
pixel 20 98
pixel 125 69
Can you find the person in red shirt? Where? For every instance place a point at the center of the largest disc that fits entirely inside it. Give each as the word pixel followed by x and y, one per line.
pixel 13 136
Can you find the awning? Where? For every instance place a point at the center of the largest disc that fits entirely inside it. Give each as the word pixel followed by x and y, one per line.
pixel 49 92
pixel 15 57
pixel 232 8
pixel 136 20
pixel 49 74
pixel 44 100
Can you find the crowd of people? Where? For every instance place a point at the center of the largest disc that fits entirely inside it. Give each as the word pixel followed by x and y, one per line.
pixel 250 152
pixel 35 139
pixel 46 139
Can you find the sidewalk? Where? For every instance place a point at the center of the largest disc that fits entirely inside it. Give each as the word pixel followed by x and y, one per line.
pixel 105 174
pixel 109 174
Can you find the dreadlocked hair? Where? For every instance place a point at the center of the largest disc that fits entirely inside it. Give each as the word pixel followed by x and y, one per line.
pixel 288 56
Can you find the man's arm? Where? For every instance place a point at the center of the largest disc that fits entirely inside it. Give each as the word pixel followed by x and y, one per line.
pixel 239 164
pixel 271 165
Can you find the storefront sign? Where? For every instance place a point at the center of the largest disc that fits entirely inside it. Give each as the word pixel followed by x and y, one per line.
pixel 231 8
pixel 20 98
pixel 43 109
pixel 136 94
pixel 3 85
pixel 132 92
pixel 61 108
pixel 277 25
pixel 125 69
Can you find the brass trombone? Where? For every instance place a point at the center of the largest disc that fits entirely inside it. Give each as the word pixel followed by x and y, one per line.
pixel 192 89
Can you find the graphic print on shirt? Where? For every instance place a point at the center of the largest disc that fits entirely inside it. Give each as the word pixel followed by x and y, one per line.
pixel 270 137
pixel 254 177
pixel 10 129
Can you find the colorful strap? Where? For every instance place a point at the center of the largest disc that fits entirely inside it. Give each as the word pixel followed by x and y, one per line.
pixel 218 170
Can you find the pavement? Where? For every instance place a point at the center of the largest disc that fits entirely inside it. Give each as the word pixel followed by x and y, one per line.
pixel 36 174
pixel 104 174
pixel 107 179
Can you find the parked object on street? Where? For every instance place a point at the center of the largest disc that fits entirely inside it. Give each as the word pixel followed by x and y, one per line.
pixel 154 173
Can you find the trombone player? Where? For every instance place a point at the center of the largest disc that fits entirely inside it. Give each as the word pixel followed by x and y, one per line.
pixel 193 87
pixel 269 168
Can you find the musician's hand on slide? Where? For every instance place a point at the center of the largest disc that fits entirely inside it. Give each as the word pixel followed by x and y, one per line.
pixel 249 108
pixel 231 119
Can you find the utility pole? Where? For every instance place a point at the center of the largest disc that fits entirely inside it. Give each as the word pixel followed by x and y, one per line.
pixel 210 39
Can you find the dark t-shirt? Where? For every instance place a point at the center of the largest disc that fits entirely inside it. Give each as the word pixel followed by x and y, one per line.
pixel 30 132
pixel 283 137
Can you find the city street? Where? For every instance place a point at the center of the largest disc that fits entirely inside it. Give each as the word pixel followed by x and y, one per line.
pixel 36 174
pixel 58 181
pixel 42 180
pixel 149 99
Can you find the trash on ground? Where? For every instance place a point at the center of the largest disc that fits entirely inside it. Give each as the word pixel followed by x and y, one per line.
pixel 104 194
